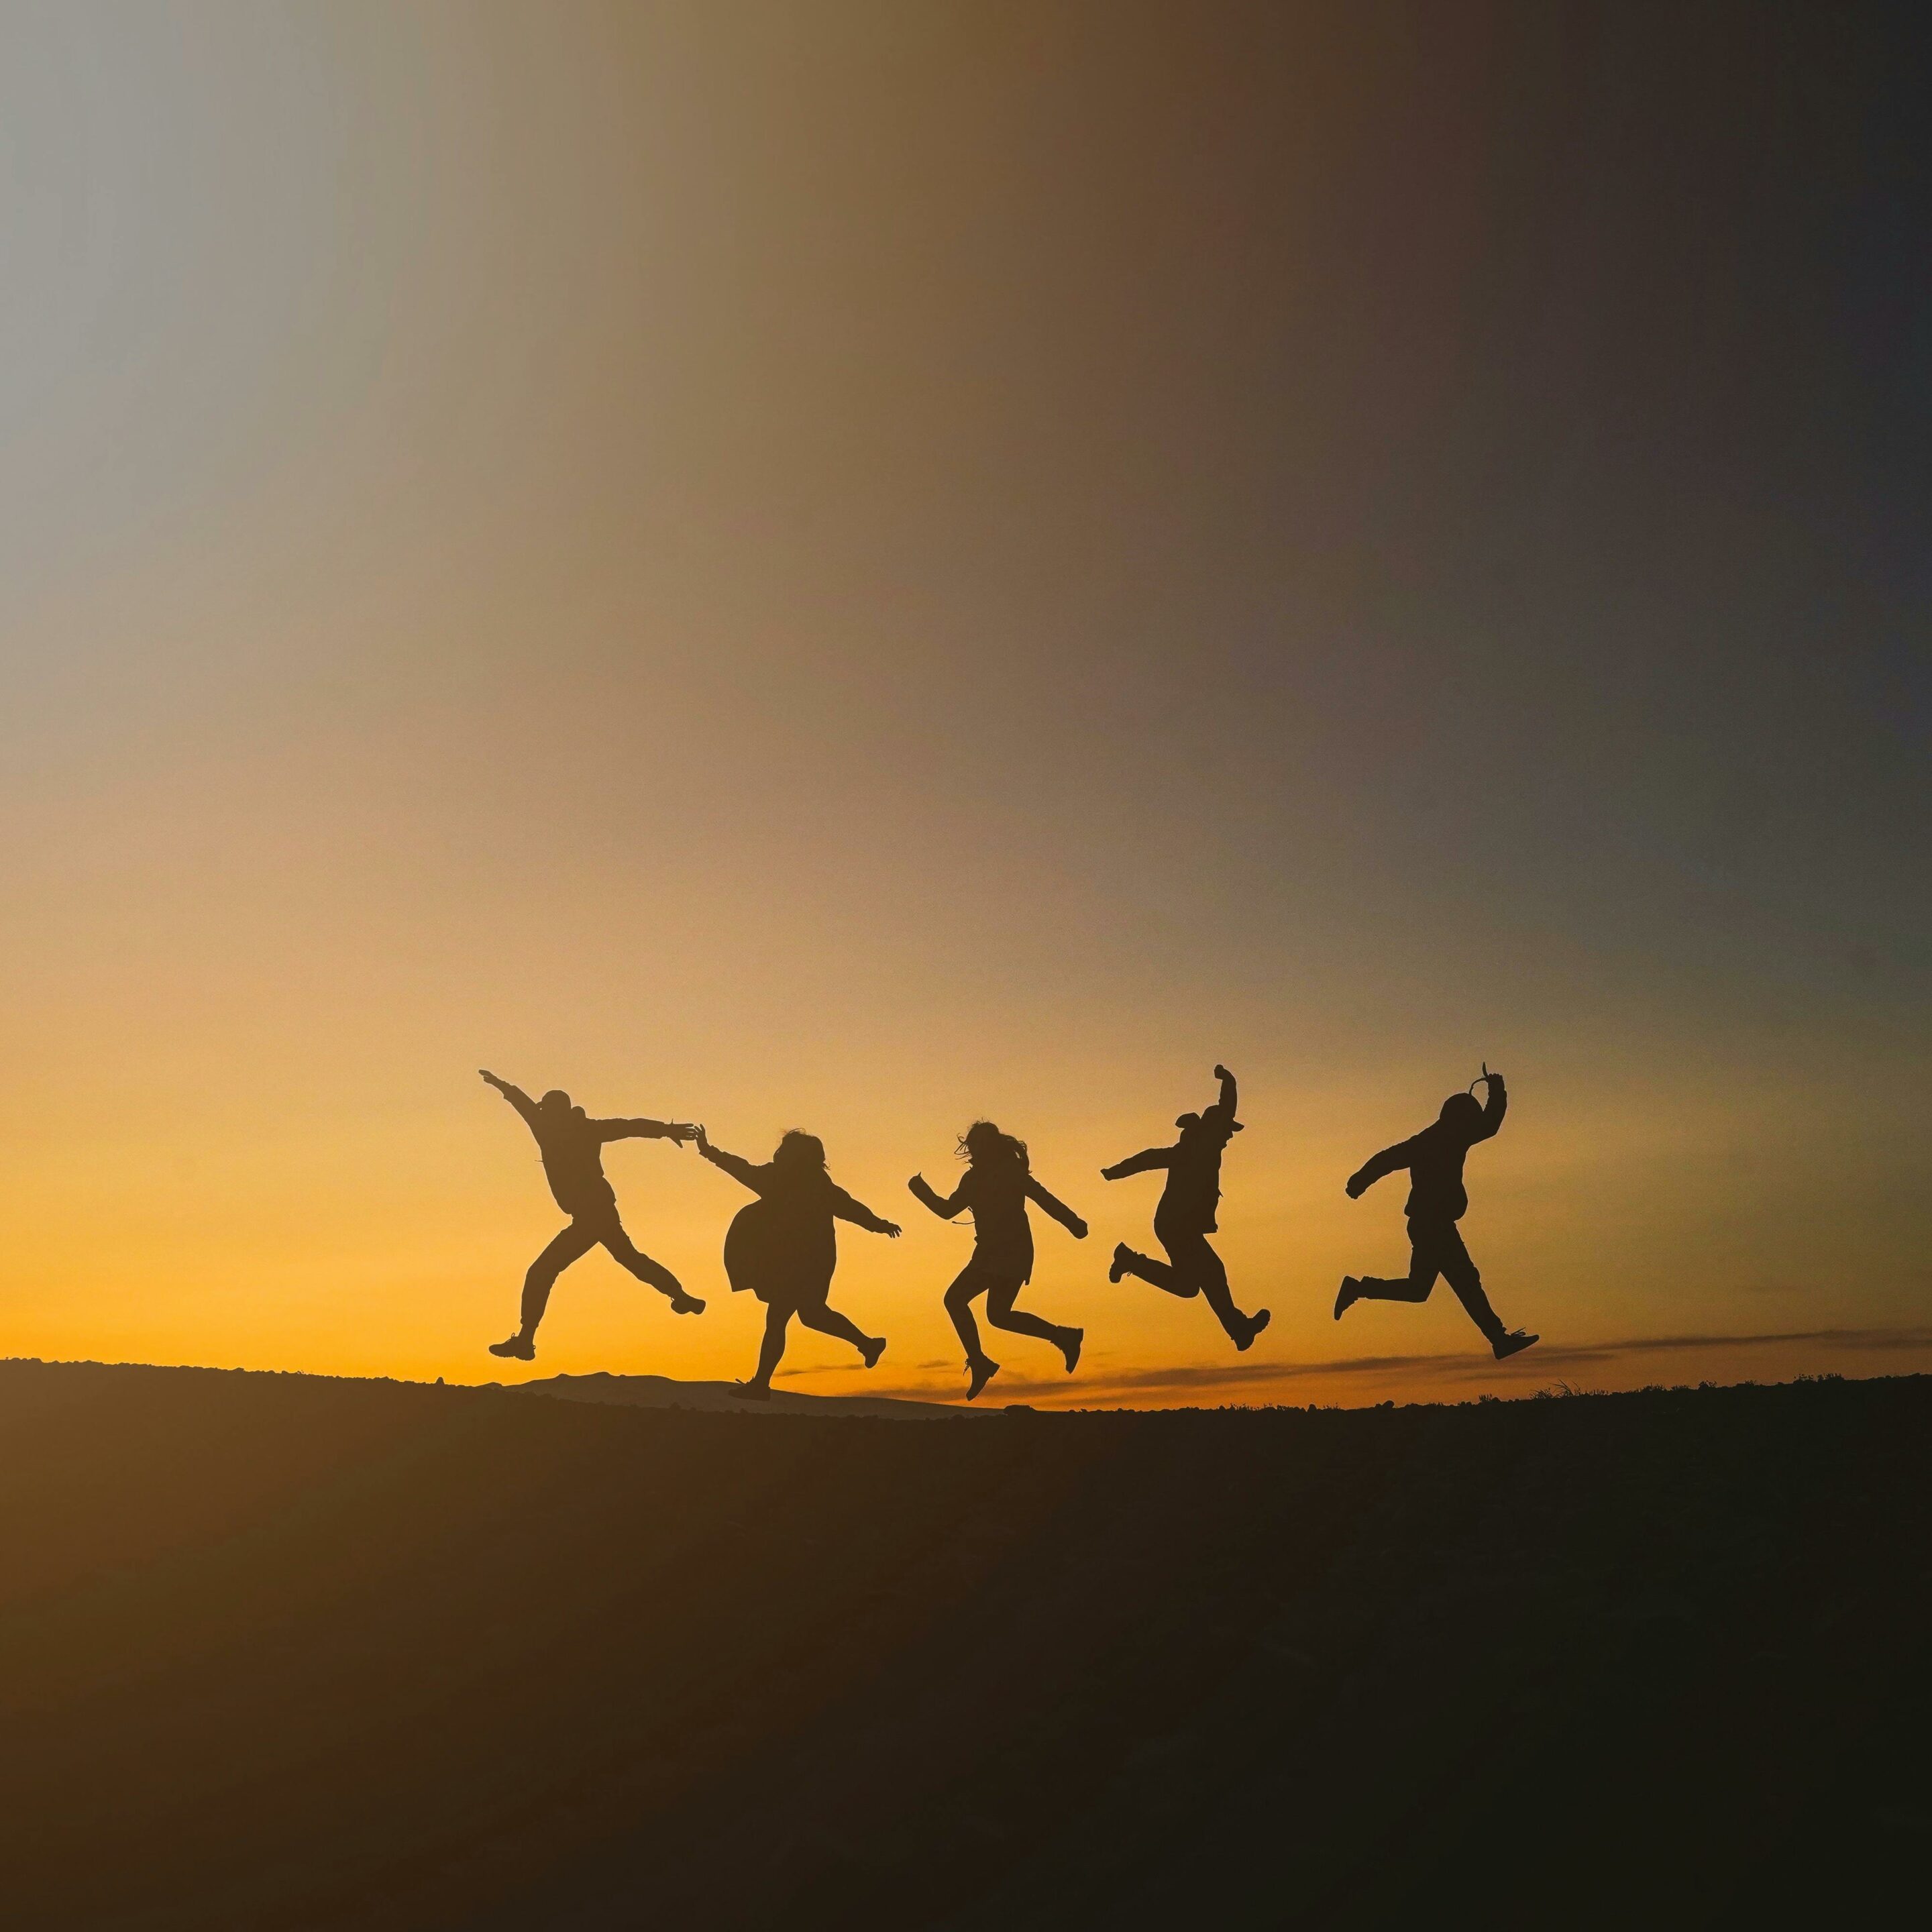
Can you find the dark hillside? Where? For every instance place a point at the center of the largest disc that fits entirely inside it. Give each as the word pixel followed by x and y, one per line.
pixel 277 1650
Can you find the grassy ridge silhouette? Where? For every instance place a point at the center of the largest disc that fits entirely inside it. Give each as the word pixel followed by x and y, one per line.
pixel 280 1650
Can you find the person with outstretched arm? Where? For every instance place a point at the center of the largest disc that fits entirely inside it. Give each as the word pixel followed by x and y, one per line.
pixel 1433 1161
pixel 1188 1213
pixel 783 1247
pixel 997 1187
pixel 572 1145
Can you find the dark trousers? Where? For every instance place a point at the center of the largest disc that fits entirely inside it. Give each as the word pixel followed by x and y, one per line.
pixel 1192 1267
pixel 1437 1249
pixel 595 1229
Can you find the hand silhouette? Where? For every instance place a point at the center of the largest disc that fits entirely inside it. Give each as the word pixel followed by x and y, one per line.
pixel 491 1077
pixel 681 1131
pixel 891 1230
pixel 1356 1187
pixel 1079 1230
pixel 698 1134
pixel 1221 1073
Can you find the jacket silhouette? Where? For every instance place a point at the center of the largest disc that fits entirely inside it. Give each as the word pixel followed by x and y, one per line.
pixel 1437 1201
pixel 1188 1213
pixel 571 1144
pixel 783 1247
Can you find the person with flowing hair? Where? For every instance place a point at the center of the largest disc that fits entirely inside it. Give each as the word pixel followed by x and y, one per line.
pixel 997 1185
pixel 1188 1213
pixel 783 1247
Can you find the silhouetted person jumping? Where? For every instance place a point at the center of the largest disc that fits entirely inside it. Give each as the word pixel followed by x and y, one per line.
pixel 997 1186
pixel 572 1146
pixel 1436 1202
pixel 1187 1213
pixel 783 1248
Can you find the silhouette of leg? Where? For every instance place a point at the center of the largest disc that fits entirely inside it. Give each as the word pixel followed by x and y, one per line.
pixel 1461 1273
pixel 966 1286
pixel 771 1347
pixel 626 1254
pixel 827 1321
pixel 1206 1267
pixel 1001 1313
pixel 1424 1267
pixel 575 1241
pixel 1162 1275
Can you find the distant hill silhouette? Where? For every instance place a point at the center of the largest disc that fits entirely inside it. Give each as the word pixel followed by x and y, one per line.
pixel 717 1398
pixel 282 1651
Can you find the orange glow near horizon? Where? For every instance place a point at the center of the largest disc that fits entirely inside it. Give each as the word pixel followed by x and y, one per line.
pixel 856 578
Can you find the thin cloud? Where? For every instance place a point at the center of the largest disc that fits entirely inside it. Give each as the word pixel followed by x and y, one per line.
pixel 1234 1378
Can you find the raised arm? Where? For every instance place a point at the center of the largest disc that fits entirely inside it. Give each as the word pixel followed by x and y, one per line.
pixel 517 1097
pixel 1226 1102
pixel 1058 1209
pixel 1495 1105
pixel 846 1209
pixel 1139 1163
pixel 679 1131
pixel 923 1191
pixel 1389 1161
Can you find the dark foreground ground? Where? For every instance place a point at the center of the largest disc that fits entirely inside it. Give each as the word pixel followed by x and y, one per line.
pixel 281 1652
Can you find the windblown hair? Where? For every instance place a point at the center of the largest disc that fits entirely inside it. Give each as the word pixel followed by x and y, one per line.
pixel 796 1149
pixel 983 1143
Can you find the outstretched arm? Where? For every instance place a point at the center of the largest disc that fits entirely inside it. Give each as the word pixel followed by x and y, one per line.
pixel 1226 1102
pixel 1139 1163
pixel 847 1209
pixel 517 1097
pixel 1058 1209
pixel 1389 1161
pixel 924 1191
pixel 679 1131
pixel 740 1169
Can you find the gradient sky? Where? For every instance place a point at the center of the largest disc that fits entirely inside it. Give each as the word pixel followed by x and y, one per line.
pixel 855 566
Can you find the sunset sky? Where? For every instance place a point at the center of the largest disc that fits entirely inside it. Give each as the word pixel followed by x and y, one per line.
pixel 859 566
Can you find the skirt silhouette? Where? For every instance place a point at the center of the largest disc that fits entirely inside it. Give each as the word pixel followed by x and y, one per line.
pixel 783 1259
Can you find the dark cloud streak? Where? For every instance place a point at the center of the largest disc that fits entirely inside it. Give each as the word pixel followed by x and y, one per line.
pixel 1254 1377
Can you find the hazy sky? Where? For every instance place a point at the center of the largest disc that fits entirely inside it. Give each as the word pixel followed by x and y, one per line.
pixel 859 565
